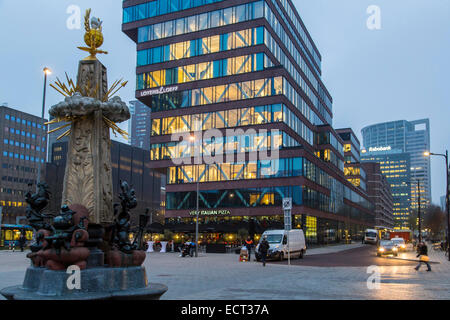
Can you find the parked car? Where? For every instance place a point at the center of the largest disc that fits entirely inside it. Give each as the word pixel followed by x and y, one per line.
pixel 387 247
pixel 279 244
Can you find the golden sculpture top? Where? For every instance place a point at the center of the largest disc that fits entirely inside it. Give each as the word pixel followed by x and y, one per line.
pixel 93 36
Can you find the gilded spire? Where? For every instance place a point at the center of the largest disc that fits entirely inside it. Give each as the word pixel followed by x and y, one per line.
pixel 93 36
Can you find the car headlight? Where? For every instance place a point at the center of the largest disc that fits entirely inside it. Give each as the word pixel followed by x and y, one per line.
pixel 381 249
pixel 403 246
pixel 395 249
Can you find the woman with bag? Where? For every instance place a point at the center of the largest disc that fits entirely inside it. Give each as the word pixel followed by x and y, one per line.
pixel 422 251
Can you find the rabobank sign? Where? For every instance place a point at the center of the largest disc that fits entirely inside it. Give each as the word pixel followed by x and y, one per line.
pixel 378 149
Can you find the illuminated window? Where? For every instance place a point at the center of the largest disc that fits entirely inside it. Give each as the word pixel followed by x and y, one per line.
pixel 268 199
pixel 311 229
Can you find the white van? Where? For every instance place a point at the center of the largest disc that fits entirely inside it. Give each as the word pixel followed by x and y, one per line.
pixel 371 236
pixel 278 244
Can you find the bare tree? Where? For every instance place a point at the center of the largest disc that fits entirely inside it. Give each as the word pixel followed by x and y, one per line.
pixel 435 220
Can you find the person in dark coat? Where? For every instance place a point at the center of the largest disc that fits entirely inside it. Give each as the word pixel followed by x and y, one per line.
pixel 422 250
pixel 22 242
pixel 263 248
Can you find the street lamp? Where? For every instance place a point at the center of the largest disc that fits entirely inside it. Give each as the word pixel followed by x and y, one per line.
pixel 447 196
pixel 47 72
pixel 418 211
pixel 196 212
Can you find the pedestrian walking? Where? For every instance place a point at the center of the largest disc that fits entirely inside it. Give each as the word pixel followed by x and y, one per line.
pixel 249 244
pixel 422 251
pixel 263 248
pixel 22 242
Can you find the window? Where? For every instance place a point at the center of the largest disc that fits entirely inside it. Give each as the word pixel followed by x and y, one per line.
pixel 203 21
pixel 215 19
pixel 240 13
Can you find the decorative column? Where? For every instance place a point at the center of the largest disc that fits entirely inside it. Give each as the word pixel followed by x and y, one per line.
pixel 88 176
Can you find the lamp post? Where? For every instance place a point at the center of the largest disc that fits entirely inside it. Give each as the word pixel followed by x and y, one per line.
pixel 197 206
pixel 447 196
pixel 418 212
pixel 47 71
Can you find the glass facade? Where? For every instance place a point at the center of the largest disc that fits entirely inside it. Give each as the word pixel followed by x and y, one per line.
pixel 241 142
pixel 396 168
pixel 234 198
pixel 279 168
pixel 232 118
pixel 202 46
pixel 159 7
pixel 218 94
pixel 209 20
pixel 203 71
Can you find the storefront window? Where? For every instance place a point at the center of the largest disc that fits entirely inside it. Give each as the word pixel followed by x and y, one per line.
pixel 311 229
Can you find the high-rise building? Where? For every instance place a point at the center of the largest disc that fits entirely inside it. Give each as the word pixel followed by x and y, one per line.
pixel 395 165
pixel 231 80
pixel 139 126
pixel 412 137
pixel 22 150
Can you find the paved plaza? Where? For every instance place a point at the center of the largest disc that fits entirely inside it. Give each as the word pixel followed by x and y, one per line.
pixel 222 276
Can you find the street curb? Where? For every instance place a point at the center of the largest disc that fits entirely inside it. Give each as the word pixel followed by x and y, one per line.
pixel 413 260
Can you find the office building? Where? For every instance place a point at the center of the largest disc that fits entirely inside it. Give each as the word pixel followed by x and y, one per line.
pixel 233 80
pixel 395 165
pixel 139 126
pixel 22 150
pixel 411 137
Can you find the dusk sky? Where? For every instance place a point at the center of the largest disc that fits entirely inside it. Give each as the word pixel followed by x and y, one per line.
pixel 399 72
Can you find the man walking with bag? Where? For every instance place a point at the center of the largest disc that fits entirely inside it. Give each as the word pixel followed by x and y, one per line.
pixel 263 248
pixel 422 251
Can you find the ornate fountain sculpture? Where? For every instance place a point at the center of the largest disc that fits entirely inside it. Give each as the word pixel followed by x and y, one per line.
pixel 89 233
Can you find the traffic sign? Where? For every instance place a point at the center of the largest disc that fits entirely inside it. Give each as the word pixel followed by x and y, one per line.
pixel 287 203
